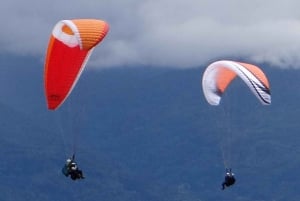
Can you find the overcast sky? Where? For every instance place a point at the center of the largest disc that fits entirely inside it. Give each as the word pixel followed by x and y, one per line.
pixel 166 33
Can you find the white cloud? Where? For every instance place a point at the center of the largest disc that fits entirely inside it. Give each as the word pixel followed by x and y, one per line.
pixel 173 33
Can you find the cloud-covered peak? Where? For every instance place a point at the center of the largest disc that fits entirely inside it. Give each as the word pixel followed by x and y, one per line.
pixel 170 33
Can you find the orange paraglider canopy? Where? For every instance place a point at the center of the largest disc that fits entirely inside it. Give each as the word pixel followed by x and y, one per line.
pixel 69 48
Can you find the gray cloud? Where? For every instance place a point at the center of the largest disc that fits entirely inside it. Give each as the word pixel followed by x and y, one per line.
pixel 170 33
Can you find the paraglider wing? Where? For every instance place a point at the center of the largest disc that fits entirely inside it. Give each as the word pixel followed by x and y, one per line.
pixel 219 75
pixel 69 48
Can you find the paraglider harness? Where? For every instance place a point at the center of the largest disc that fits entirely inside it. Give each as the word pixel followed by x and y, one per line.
pixel 229 179
pixel 71 169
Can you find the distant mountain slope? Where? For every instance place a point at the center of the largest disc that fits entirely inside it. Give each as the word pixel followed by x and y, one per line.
pixel 146 134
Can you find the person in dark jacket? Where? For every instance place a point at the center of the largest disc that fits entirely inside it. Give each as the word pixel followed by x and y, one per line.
pixel 229 179
pixel 71 169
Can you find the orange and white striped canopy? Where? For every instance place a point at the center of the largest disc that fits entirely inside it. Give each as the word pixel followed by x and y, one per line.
pixel 218 75
pixel 70 45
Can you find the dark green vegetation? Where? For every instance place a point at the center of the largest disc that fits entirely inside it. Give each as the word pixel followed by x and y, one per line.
pixel 146 134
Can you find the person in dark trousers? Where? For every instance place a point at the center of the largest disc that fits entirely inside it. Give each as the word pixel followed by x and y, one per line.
pixel 71 169
pixel 229 179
